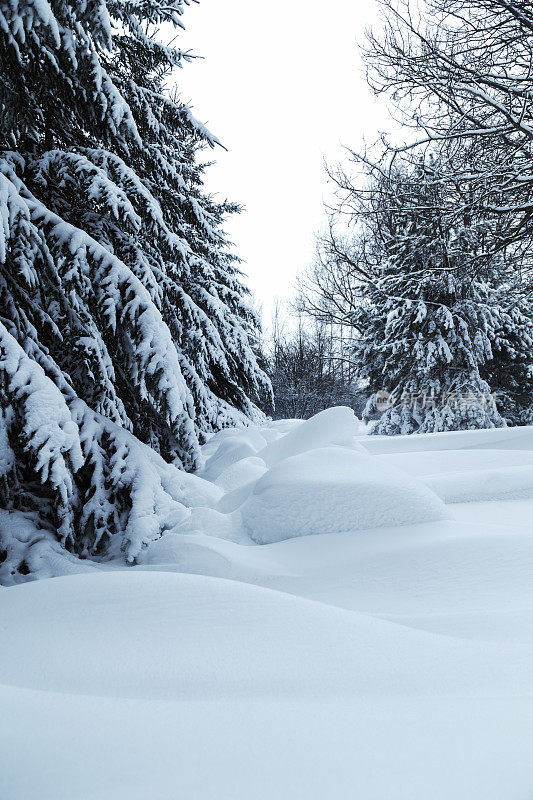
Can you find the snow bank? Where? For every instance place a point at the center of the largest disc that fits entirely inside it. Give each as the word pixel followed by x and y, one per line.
pixel 187 686
pixel 504 483
pixel 459 476
pixel 294 478
pixel 433 462
pixel 519 438
pixel 337 425
pixel 334 489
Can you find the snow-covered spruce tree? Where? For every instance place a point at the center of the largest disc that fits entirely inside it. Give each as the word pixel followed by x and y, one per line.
pixel 510 370
pixel 123 319
pixel 428 320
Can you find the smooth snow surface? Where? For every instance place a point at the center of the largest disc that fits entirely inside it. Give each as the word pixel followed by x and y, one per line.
pixel 465 475
pixel 388 657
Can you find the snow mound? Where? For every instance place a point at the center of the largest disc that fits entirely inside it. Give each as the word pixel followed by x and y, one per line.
pixel 191 490
pixel 204 520
pixel 240 473
pixel 337 425
pixel 231 450
pixel 334 490
pixel 187 554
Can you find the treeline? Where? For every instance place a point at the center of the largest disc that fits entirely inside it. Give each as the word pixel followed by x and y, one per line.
pixel 304 361
pixel 427 259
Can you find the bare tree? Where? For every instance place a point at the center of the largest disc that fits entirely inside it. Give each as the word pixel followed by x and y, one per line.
pixel 461 72
pixel 306 371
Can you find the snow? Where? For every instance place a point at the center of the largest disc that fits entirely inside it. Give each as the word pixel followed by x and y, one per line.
pixel 240 473
pixel 466 475
pixel 190 650
pixel 231 450
pixel 333 490
pixel 387 657
pixel 333 426
pixel 519 438
pixel 512 483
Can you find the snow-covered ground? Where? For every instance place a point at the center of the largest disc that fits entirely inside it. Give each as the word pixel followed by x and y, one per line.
pixel 344 616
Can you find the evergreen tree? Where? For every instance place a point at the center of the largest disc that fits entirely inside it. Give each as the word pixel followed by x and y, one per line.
pixel 123 319
pixel 429 324
pixel 510 370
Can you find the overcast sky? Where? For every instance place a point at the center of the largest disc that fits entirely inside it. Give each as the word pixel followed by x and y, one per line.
pixel 282 86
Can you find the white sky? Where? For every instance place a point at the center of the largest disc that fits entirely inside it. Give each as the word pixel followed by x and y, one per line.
pixel 282 86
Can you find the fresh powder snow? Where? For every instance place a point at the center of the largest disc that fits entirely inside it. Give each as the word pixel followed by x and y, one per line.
pixel 327 614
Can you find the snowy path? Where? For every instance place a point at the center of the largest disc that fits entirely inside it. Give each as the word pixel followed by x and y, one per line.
pixel 383 663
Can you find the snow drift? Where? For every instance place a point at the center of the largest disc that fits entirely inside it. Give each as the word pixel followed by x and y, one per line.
pixel 360 663
pixel 334 490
